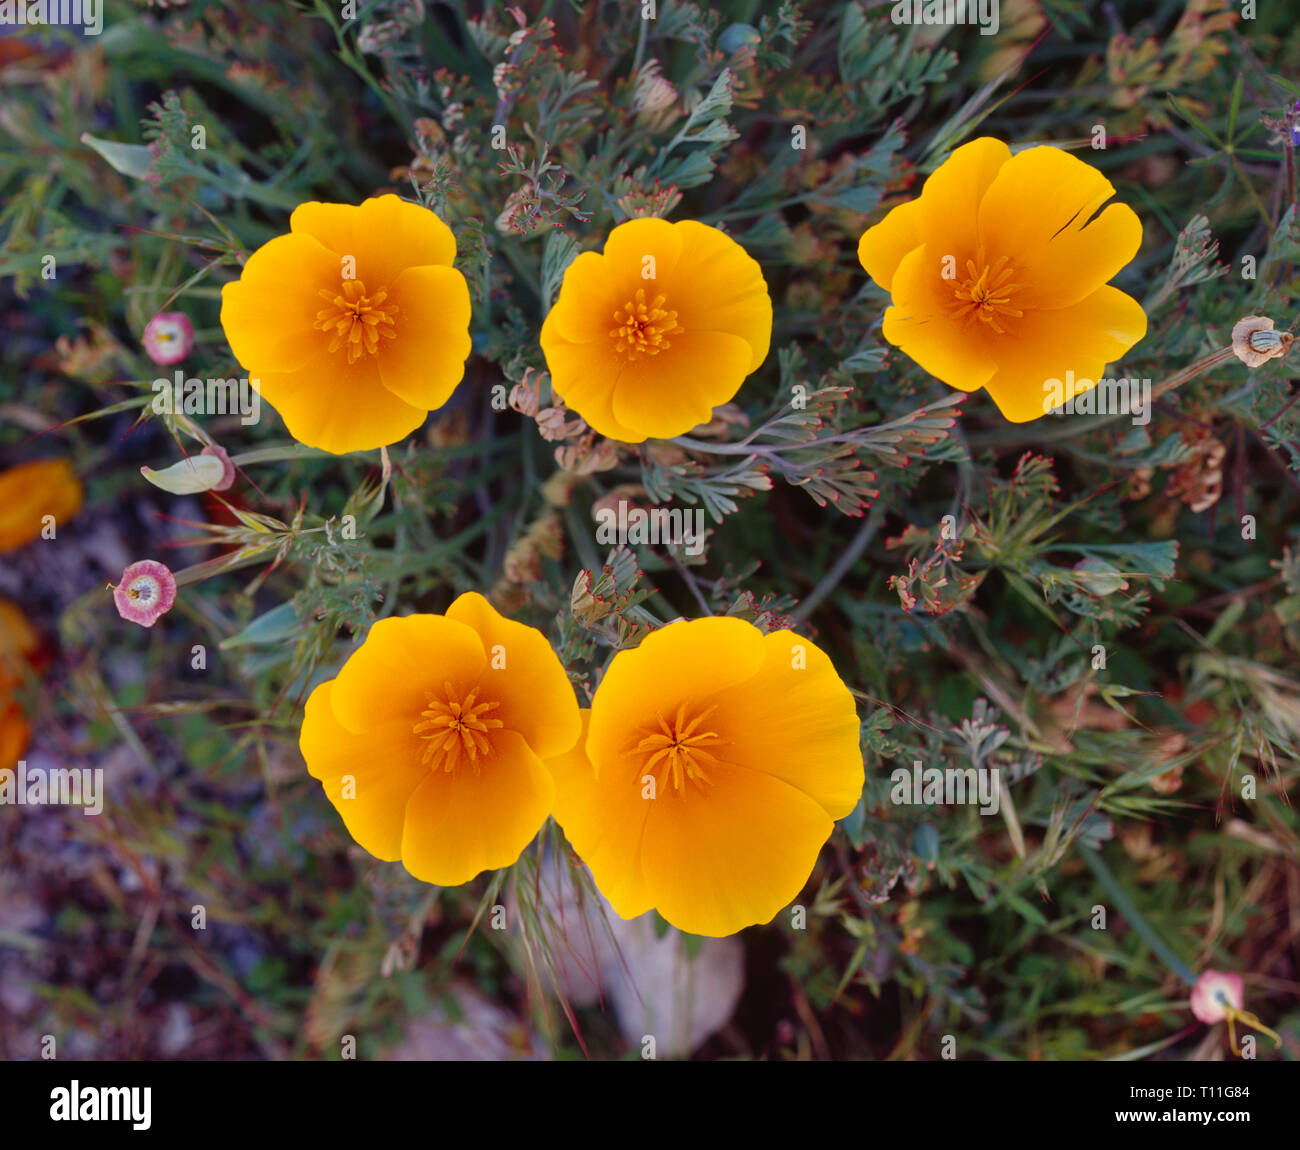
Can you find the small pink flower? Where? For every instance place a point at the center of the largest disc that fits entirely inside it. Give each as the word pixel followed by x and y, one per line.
pixel 168 337
pixel 1219 997
pixel 146 592
pixel 1214 992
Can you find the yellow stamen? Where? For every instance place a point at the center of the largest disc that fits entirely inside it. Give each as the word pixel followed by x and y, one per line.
pixel 356 319
pixel 456 729
pixel 144 588
pixel 677 750
pixel 643 328
pixel 986 292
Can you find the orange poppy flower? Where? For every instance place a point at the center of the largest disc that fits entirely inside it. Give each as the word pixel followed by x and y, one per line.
pixel 15 733
pixel 430 740
pixel 32 491
pixel 998 275
pixel 715 763
pixel 355 325
pixel 648 337
pixel 20 648
pixel 20 645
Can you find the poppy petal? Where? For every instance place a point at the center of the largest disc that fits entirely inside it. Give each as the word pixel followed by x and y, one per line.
pixel 812 740
pixel 882 248
pixel 368 778
pixel 523 674
pixel 459 825
pixel 426 360
pixel 717 286
pixel 603 817
pixel 951 197
pixel 717 864
pixel 1051 346
pixel 392 672
pixel 661 401
pixel 679 663
pixel 269 313
pixel 921 322
pixel 339 407
pixel 1059 243
pixel 382 238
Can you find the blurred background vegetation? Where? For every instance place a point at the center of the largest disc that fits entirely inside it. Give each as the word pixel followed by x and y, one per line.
pixel 794 126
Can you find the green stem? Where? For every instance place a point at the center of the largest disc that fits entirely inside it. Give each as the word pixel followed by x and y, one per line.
pixel 1133 916
pixel 842 566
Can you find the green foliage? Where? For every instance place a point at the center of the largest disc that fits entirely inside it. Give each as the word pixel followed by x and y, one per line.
pixel 1074 601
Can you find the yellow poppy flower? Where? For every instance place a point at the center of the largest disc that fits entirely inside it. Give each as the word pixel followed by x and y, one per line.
pixel 430 740
pixel 648 337
pixel 714 765
pixel 998 275
pixel 30 492
pixel 355 325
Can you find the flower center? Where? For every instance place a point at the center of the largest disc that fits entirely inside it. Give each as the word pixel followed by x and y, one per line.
pixel 643 327
pixel 356 319
pixel 681 749
pixel 987 291
pixel 144 590
pixel 455 729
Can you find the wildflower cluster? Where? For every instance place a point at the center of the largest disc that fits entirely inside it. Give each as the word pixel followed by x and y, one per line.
pixel 475 476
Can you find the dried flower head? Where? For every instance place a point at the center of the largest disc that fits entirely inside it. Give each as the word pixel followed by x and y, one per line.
pixel 1198 479
pixel 654 98
pixel 1254 341
pixel 227 479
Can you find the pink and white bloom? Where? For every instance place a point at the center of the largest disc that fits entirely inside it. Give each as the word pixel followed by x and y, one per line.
pixel 168 337
pixel 1215 993
pixel 146 592
pixel 1219 996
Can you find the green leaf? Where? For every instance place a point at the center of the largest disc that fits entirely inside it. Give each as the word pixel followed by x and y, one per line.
pixel 275 626
pixel 869 359
pixel 1154 561
pixel 560 251
pixel 134 160
pixel 1026 909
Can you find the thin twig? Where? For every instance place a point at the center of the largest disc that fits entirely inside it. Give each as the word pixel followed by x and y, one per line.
pixel 842 566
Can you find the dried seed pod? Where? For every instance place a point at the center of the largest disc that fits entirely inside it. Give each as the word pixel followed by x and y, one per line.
pixel 1198 480
pixel 1254 341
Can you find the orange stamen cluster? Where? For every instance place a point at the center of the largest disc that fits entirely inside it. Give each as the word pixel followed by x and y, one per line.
pixel 356 320
pixel 643 328
pixel 456 729
pixel 677 749
pixel 987 291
